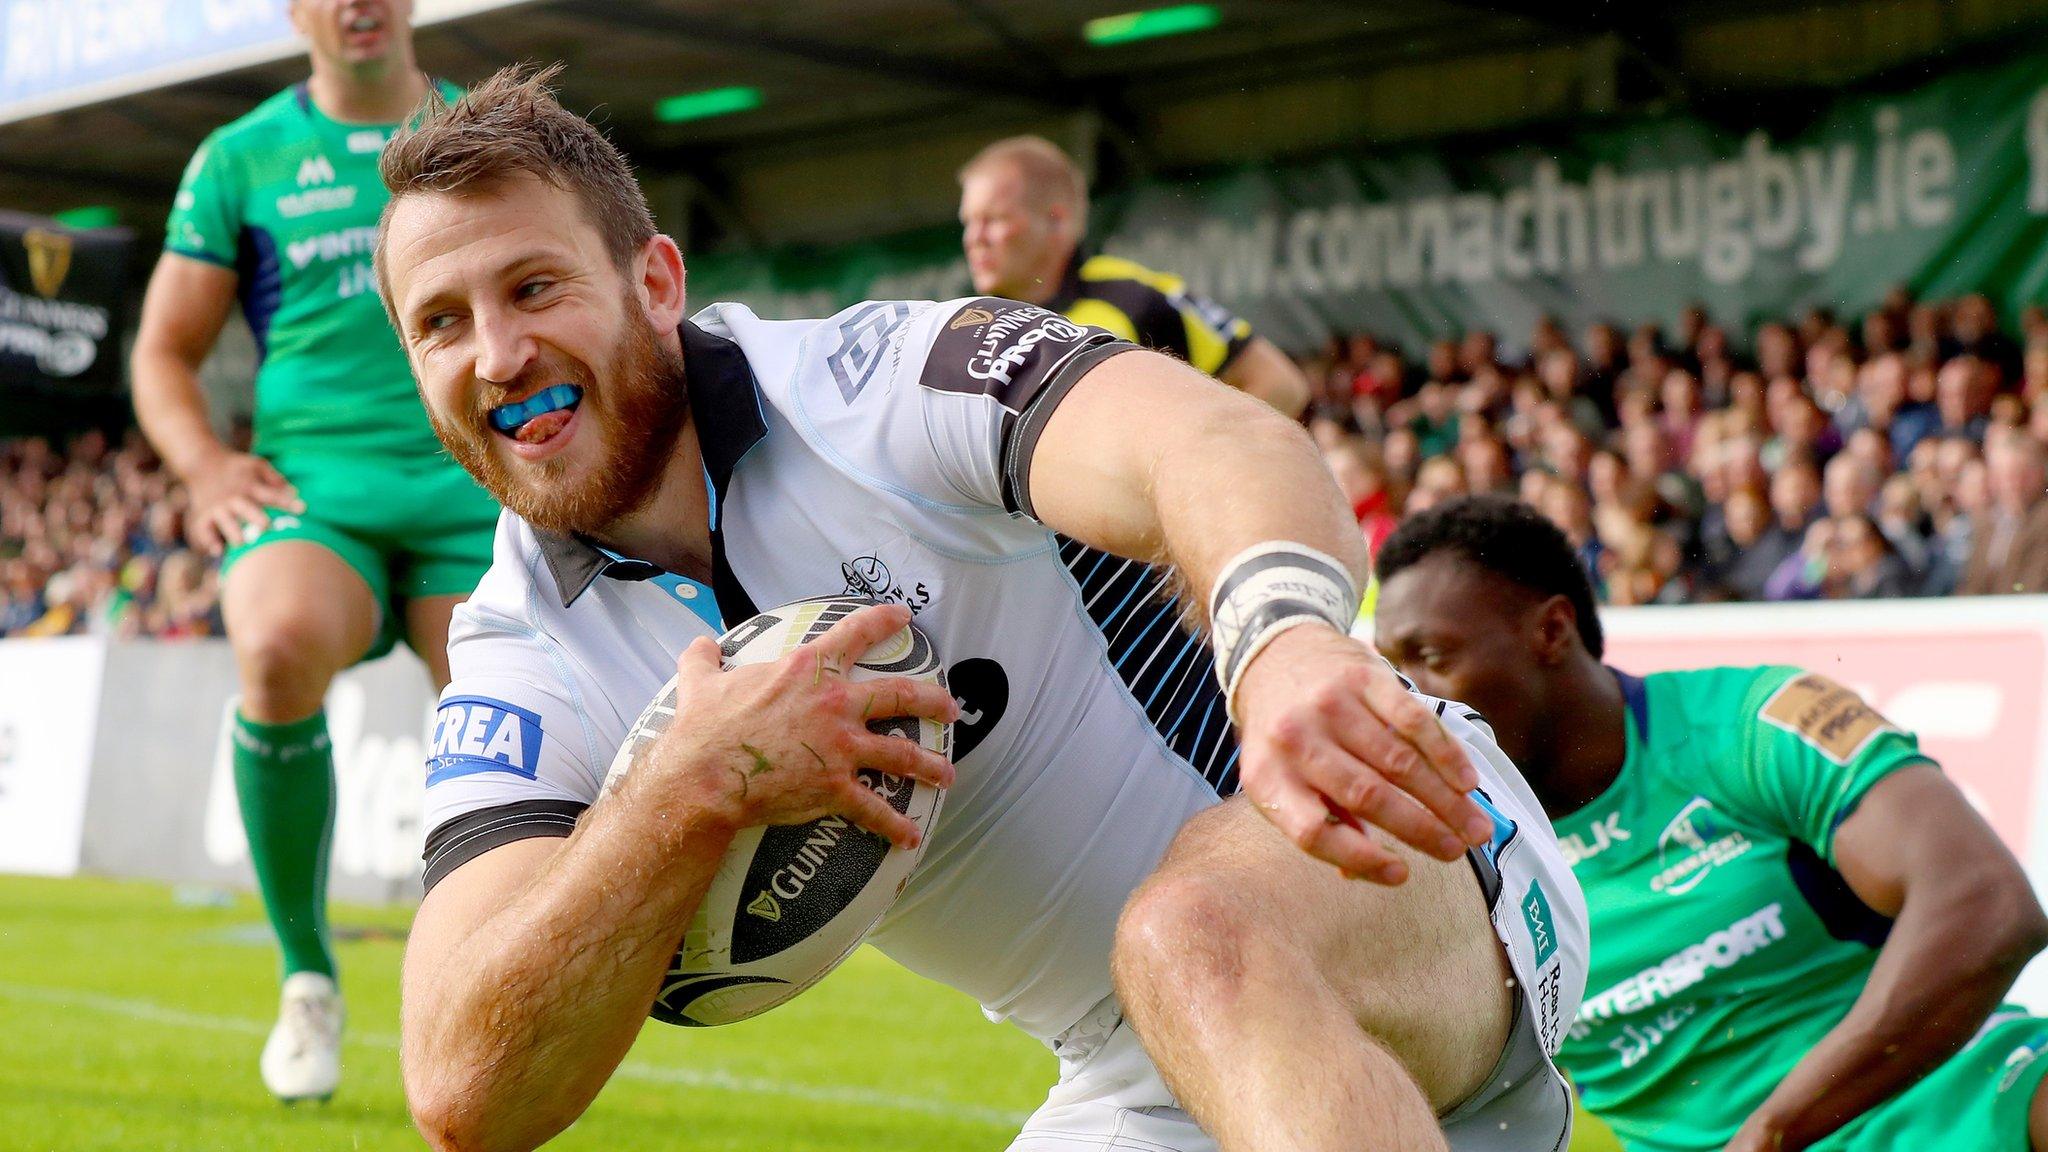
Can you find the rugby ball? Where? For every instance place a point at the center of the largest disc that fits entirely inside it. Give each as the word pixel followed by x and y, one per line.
pixel 789 903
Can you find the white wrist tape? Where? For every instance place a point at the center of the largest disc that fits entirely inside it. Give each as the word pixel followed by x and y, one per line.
pixel 1267 589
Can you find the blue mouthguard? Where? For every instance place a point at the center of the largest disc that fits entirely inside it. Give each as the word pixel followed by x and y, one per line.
pixel 510 418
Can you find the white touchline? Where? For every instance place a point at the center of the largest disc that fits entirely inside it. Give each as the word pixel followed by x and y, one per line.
pixel 712 1079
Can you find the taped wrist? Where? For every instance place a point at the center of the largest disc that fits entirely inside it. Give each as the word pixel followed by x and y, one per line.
pixel 1267 589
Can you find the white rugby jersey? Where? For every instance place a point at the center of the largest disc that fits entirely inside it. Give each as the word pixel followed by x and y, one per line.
pixel 886 452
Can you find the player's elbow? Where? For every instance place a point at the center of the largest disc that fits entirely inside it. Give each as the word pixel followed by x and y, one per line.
pixel 1996 924
pixel 2025 925
pixel 455 1111
pixel 449 1122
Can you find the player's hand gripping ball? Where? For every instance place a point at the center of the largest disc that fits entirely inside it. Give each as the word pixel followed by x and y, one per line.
pixel 789 903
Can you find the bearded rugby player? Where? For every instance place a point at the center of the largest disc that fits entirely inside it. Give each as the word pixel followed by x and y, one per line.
pixel 1803 932
pixel 667 477
pixel 344 528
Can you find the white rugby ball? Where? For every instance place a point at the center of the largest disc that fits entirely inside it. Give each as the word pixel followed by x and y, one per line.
pixel 789 903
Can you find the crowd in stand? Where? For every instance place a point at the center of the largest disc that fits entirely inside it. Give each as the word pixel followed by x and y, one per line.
pixel 92 543
pixel 1901 457
pixel 1907 456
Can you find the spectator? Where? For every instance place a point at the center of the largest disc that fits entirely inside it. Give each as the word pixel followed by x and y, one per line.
pixel 1489 468
pixel 1849 486
pixel 2009 551
pixel 1362 479
pixel 24 603
pixel 1566 506
pixel 1956 520
pixel 1680 397
pixel 1861 563
pixel 75 526
pixel 1974 329
pixel 1435 419
pixel 2034 373
pixel 1802 575
pixel 1900 518
pixel 1441 479
pixel 1963 390
pixel 1643 448
pixel 1743 550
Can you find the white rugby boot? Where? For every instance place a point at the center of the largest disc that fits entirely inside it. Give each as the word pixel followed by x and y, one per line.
pixel 302 1058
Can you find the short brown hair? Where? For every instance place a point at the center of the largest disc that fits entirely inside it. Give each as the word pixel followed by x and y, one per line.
pixel 1049 173
pixel 511 125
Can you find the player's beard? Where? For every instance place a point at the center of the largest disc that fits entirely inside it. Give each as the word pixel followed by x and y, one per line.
pixel 636 416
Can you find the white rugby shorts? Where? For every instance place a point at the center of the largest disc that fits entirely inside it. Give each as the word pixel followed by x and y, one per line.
pixel 1110 1096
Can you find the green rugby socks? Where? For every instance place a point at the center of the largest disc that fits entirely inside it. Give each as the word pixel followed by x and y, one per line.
pixel 284 779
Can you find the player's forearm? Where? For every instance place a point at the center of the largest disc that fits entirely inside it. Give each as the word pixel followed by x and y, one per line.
pixel 1243 479
pixel 510 1041
pixel 170 404
pixel 1149 459
pixel 1947 964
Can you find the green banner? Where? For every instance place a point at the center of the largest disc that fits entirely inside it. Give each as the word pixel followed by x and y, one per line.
pixel 1942 187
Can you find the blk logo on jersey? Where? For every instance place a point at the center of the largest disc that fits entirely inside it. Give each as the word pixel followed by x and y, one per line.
pixel 1603 834
pixel 478 734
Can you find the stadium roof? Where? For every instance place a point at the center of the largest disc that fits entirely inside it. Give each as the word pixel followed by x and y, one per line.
pixel 1277 75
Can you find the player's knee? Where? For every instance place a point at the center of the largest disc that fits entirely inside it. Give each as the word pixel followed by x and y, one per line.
pixel 1185 938
pixel 285 664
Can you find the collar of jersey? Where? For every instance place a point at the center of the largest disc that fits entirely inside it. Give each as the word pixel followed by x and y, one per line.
pixel 302 95
pixel 1070 282
pixel 725 410
pixel 1637 695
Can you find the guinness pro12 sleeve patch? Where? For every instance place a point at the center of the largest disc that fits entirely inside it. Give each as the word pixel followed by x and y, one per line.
pixel 1010 351
pixel 1832 720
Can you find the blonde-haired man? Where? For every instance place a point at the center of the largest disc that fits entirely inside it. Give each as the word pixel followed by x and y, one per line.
pixel 1024 216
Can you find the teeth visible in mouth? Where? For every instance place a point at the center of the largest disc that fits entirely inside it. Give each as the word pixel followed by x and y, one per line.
pixel 365 24
pixel 512 419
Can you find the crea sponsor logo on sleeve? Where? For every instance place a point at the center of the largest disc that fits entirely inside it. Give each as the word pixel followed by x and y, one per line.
pixel 475 734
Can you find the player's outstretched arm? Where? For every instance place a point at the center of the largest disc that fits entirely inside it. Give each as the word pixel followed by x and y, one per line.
pixel 1264 371
pixel 1965 922
pixel 183 311
pixel 531 968
pixel 1146 457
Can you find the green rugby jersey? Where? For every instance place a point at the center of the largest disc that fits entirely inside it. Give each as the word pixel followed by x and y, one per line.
pixel 1725 945
pixel 289 199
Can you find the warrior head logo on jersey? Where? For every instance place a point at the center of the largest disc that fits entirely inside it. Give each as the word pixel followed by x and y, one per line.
pixel 866 576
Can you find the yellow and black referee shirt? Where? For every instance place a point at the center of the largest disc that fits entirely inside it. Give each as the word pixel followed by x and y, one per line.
pixel 1151 309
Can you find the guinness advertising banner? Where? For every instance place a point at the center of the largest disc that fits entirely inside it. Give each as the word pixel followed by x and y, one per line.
pixel 63 305
pixel 1939 183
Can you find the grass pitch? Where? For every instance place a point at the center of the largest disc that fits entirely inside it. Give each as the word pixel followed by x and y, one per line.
pixel 131 1019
